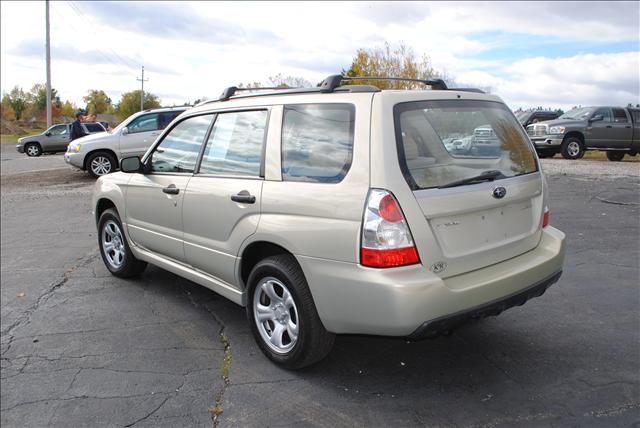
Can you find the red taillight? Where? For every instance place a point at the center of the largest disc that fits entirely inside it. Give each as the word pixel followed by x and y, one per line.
pixel 545 218
pixel 386 239
pixel 389 258
pixel 389 209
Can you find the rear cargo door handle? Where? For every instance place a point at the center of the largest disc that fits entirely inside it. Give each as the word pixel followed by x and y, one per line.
pixel 171 190
pixel 244 197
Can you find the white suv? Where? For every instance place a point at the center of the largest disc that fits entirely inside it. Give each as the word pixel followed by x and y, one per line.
pixel 100 154
pixel 338 209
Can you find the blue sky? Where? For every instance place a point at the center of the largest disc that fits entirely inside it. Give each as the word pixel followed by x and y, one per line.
pixel 555 54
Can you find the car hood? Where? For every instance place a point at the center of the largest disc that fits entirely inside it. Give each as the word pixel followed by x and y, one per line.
pixel 23 139
pixel 560 122
pixel 97 138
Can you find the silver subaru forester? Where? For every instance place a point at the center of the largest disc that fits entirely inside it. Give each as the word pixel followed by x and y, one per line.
pixel 338 209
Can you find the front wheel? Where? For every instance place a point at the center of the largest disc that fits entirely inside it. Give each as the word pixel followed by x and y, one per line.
pixel 283 318
pixel 114 248
pixel 615 156
pixel 33 149
pixel 572 148
pixel 101 163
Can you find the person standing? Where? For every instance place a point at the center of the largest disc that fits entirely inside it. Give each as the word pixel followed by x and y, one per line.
pixel 76 128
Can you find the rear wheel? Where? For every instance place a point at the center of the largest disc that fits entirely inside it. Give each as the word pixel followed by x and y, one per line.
pixel 572 148
pixel 283 318
pixel 114 248
pixel 101 163
pixel 33 149
pixel 615 156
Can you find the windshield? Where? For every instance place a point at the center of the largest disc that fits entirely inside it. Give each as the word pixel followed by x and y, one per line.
pixel 522 116
pixel 578 114
pixel 441 142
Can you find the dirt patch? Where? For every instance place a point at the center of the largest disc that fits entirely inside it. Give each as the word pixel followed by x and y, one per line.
pixel 64 179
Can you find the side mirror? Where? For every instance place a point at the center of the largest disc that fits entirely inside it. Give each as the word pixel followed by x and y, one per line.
pixel 596 118
pixel 125 130
pixel 48 134
pixel 131 164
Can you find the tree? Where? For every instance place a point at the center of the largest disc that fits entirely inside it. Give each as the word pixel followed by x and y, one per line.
pixel 7 110
pixel 18 100
pixel 38 97
pixel 130 103
pixel 68 109
pixel 98 102
pixel 386 62
pixel 281 81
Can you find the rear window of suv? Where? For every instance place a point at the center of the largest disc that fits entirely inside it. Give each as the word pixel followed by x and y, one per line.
pixel 442 142
pixel 317 142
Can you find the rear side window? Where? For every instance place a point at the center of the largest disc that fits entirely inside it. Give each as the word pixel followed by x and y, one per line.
pixel 317 142
pixel 442 142
pixel 619 115
pixel 94 127
pixel 235 144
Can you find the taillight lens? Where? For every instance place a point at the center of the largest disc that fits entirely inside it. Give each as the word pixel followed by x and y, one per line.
pixel 386 239
pixel 545 217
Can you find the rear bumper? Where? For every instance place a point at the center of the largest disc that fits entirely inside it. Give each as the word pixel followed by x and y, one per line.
pixel 447 323
pixel 412 301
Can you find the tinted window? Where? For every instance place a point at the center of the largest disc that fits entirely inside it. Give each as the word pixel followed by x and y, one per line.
pixel 235 144
pixel 179 149
pixel 317 142
pixel 94 127
pixel 58 130
pixel 440 142
pixel 619 115
pixel 605 112
pixel 144 123
pixel 165 118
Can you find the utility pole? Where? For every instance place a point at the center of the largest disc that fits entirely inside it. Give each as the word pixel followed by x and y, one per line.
pixel 49 118
pixel 142 93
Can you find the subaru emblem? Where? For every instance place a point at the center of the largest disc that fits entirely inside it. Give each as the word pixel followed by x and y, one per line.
pixel 499 192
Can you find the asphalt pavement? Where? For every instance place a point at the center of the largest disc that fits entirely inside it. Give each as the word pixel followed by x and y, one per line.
pixel 83 348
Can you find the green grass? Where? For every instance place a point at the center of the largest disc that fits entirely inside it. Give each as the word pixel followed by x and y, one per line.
pixel 13 138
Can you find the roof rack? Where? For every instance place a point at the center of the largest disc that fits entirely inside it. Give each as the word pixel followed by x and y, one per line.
pixel 333 84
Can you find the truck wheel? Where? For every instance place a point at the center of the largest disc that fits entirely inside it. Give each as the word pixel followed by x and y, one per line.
pixel 33 149
pixel 282 316
pixel 572 148
pixel 615 156
pixel 101 163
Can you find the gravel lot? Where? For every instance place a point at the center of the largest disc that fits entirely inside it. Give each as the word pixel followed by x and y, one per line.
pixel 82 348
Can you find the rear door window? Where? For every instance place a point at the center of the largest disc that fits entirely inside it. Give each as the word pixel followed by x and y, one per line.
pixel 619 115
pixel 441 142
pixel 235 145
pixel 317 142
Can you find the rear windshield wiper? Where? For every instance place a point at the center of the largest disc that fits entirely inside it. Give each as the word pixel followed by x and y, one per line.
pixel 485 176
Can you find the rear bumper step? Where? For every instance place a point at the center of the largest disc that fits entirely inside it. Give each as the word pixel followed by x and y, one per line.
pixel 446 324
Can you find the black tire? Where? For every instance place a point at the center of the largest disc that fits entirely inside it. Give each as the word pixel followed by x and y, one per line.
pixel 572 148
pixel 313 342
pixel 615 156
pixel 32 149
pixel 130 266
pixel 101 163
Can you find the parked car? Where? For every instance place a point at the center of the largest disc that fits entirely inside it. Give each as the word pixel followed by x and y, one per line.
pixel 55 139
pixel 337 209
pixel 526 118
pixel 99 154
pixel 615 130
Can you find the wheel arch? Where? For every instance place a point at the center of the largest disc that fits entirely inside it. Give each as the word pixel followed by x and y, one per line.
pixel 253 253
pixel 102 205
pixel 576 134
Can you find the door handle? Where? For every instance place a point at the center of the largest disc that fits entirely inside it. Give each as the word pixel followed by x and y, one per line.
pixel 628 126
pixel 609 126
pixel 244 197
pixel 171 190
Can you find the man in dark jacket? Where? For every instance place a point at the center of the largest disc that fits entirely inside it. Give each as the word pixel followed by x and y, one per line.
pixel 76 128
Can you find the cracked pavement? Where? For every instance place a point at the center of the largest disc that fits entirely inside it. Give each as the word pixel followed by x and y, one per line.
pixel 83 348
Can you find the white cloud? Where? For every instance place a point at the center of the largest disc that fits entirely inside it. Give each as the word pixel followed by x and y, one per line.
pixel 220 44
